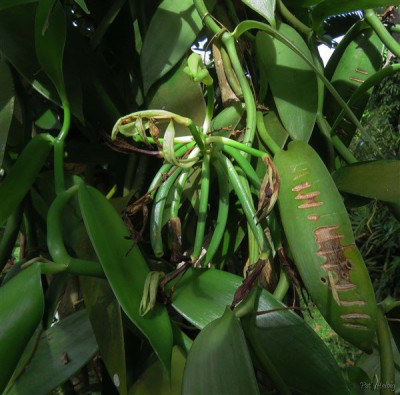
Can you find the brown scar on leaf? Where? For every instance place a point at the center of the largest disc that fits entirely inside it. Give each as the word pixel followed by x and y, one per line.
pixel 357 80
pixel 313 217
pixel 335 261
pixel 362 71
pixel 310 198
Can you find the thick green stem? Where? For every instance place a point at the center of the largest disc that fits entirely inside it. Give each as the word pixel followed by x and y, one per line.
pixel 245 166
pixel 246 203
pixel 385 353
pixel 229 42
pixel 206 17
pixel 223 210
pixel 343 150
pixel 210 109
pixel 265 136
pixel 59 150
pixel 55 241
pixel 382 32
pixel 296 23
pixel 203 207
pixel 235 144
pixel 248 25
pixel 282 286
pixel 375 79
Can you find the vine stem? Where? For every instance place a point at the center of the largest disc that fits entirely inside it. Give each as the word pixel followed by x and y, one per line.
pixel 59 149
pixel 236 144
pixel 296 23
pixel 382 32
pixel 229 42
pixel 248 25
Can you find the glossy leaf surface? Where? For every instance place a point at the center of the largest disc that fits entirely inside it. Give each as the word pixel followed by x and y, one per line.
pixel 22 175
pixel 178 93
pixel 201 297
pixel 50 36
pixel 266 8
pixel 6 105
pixel 171 32
pixel 271 332
pixel 361 58
pixel 291 80
pixel 105 316
pixel 21 309
pixel 220 353
pixel 376 180
pixel 155 380
pixel 126 273
pixel 62 351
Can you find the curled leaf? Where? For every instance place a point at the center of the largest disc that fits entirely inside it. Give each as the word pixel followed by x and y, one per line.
pixel 150 292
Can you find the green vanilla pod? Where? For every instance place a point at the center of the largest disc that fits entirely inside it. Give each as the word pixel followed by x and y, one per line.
pixel 24 172
pixel 320 237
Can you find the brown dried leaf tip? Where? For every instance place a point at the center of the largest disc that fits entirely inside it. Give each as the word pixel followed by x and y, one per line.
pixel 269 190
pixel 248 283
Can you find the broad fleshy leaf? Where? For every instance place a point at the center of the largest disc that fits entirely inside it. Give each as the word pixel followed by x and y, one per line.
pixel 172 30
pixel 361 58
pixel 50 36
pixel 21 309
pixel 266 8
pixel 6 105
pixel 292 82
pixel 125 272
pixel 62 351
pixel 220 354
pixel 178 93
pixel 201 297
pixel 154 380
pixel 105 316
pixel 378 179
pixel 13 3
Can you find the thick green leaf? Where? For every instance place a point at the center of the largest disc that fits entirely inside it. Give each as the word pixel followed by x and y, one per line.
pixel 178 93
pixel 155 380
pixel 13 3
pixel 378 179
pixel 292 81
pixel 23 173
pixel 271 332
pixel 50 36
pixel 48 121
pixel 361 58
pixel 17 44
pixel 220 354
pixel 370 364
pixel 201 297
pixel 328 7
pixel 6 105
pixel 125 272
pixel 21 309
pixel 266 8
pixel 105 317
pixel 62 351
pixel 274 126
pixel 83 5
pixel 171 32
